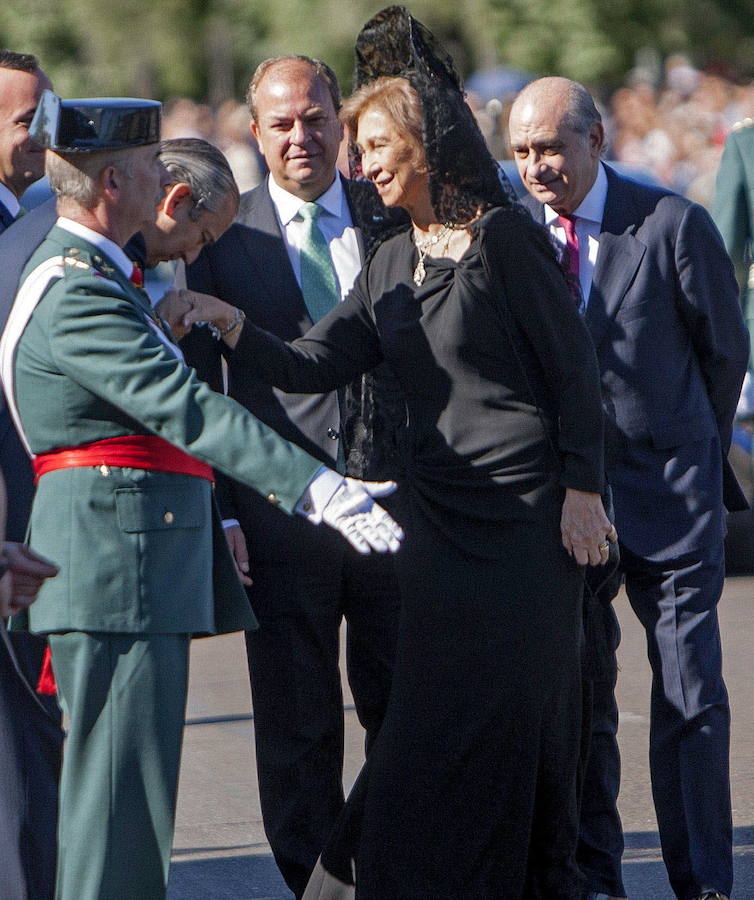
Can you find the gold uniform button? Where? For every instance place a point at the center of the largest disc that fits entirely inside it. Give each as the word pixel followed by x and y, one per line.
pixel 104 470
pixel 168 518
pixel 307 507
pixel 273 498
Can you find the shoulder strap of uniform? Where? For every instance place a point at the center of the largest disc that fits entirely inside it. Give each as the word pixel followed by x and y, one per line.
pixel 31 292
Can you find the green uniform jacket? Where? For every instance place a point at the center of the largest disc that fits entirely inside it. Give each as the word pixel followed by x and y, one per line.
pixel 733 210
pixel 139 551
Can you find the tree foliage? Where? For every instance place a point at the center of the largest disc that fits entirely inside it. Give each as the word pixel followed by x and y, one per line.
pixel 206 49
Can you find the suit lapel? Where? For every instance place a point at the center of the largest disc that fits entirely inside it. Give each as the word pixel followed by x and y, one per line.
pixel 6 219
pixel 260 219
pixel 620 255
pixel 274 270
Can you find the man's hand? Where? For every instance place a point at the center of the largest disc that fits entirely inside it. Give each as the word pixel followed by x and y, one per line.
pixel 239 552
pixel 585 528
pixel 172 308
pixel 21 583
pixel 7 607
pixel 365 524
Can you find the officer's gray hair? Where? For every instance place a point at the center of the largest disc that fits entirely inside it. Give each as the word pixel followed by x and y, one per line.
pixel 204 169
pixel 73 176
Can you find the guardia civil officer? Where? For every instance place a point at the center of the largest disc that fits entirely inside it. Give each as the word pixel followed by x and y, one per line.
pixel 124 438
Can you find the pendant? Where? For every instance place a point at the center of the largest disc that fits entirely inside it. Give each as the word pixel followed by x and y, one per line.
pixel 420 272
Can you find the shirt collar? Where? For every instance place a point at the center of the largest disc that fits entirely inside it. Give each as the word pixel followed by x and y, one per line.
pixel 592 207
pixel 9 200
pixel 113 252
pixel 287 205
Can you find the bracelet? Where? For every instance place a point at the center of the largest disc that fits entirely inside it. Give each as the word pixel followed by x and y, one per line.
pixel 218 333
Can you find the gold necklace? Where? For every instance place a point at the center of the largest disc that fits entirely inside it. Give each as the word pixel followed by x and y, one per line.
pixel 420 272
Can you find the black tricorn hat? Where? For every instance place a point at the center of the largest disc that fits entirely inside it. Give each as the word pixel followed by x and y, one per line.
pixel 95 123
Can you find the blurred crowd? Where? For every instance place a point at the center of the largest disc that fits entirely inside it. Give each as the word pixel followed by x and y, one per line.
pixel 226 128
pixel 670 122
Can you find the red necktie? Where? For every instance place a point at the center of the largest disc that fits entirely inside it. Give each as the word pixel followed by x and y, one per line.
pixel 571 258
pixel 137 276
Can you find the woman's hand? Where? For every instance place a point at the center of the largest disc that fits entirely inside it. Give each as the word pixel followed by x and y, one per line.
pixel 585 528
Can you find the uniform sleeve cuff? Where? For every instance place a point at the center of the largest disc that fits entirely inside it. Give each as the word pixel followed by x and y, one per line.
pixel 318 494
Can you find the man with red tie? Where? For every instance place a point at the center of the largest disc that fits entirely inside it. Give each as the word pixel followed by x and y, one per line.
pixel 661 303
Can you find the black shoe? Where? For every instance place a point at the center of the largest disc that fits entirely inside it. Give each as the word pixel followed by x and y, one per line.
pixel 712 895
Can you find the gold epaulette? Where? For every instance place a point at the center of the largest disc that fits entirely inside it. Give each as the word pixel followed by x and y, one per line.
pixel 72 260
pixel 744 123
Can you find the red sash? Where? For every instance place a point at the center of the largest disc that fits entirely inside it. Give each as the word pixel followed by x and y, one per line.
pixel 139 451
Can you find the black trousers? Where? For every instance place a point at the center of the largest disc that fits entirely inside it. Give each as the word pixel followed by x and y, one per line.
pixel 306 580
pixel 30 756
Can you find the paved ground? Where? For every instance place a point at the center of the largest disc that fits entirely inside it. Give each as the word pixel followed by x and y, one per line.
pixel 220 848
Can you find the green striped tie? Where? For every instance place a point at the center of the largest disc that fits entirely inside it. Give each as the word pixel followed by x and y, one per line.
pixel 318 282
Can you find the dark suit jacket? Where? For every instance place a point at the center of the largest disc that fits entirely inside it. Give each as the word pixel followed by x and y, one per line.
pixel 666 323
pixel 249 267
pixel 16 247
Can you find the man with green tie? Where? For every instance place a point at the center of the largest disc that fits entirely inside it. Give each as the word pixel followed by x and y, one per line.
pixel 298 243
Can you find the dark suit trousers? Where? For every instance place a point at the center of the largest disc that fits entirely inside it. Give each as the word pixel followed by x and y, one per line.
pixel 676 603
pixel 600 847
pixel 306 580
pixel 690 717
pixel 30 756
pixel 30 740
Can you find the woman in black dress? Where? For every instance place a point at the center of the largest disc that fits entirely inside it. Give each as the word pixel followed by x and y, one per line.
pixel 469 792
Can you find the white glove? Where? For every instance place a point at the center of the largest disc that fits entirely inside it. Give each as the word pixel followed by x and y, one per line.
pixel 365 524
pixel 346 505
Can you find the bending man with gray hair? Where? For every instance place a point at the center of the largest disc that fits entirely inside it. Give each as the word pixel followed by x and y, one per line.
pixel 660 300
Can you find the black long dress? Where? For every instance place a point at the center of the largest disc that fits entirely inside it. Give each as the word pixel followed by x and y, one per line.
pixel 469 791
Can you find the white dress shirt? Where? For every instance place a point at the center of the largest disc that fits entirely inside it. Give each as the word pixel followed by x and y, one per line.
pixel 335 223
pixel 588 215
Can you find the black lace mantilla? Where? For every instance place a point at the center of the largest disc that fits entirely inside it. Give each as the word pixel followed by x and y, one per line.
pixel 465 180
